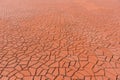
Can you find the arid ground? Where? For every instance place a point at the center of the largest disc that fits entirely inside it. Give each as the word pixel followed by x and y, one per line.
pixel 59 39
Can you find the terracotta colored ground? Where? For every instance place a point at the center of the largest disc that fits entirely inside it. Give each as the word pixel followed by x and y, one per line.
pixel 59 40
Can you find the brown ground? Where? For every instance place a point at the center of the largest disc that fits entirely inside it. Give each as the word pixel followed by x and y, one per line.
pixel 59 40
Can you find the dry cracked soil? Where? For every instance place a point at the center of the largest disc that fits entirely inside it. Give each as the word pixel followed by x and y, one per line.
pixel 59 39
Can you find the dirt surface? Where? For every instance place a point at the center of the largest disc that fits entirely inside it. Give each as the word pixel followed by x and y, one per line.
pixel 59 40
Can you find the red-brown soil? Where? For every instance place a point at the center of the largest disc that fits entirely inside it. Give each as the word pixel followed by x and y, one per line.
pixel 59 40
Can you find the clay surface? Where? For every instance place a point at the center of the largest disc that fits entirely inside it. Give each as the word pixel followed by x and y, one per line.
pixel 59 40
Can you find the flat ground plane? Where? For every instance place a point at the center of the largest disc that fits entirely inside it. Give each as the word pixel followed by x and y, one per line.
pixel 59 40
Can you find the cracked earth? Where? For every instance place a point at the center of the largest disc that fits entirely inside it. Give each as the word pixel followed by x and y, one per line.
pixel 59 40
